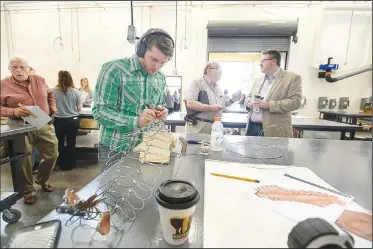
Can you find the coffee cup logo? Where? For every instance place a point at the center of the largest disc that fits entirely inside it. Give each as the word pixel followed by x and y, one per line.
pixel 181 226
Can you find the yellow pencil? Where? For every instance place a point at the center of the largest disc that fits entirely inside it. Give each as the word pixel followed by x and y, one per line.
pixel 236 177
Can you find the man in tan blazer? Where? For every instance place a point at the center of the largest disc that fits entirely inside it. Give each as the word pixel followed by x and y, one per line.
pixel 273 98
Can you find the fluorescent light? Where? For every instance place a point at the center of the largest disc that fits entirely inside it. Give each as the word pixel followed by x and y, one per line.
pixel 264 24
pixel 279 21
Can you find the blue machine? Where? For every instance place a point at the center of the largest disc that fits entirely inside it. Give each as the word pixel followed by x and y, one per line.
pixel 327 69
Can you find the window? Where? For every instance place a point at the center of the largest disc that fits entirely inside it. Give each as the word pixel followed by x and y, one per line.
pixel 240 70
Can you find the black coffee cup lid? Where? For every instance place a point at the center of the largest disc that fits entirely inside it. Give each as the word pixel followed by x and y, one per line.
pixel 177 194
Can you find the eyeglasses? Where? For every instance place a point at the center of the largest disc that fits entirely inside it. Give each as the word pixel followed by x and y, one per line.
pixel 263 60
pixel 14 68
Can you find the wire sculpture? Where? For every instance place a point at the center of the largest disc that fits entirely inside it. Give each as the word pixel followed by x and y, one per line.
pixel 126 183
pixel 261 150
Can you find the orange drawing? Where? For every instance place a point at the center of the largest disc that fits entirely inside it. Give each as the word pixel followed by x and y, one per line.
pixel 357 223
pixel 276 193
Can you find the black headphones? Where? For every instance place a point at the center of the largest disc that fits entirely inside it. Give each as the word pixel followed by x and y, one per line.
pixel 141 44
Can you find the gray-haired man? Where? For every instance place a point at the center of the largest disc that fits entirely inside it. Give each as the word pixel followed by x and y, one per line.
pixel 127 89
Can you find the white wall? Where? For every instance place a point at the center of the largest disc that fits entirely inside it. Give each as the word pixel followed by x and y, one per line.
pixel 103 38
pixel 4 48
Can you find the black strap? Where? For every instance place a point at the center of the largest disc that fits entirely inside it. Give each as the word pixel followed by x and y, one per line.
pixel 204 120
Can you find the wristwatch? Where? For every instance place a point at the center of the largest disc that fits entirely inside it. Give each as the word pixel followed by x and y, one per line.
pixel 231 101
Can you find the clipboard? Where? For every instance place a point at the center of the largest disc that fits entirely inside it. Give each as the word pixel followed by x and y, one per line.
pixel 39 117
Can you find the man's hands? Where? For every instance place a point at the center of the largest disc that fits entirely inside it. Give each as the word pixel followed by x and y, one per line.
pixel 53 110
pixel 161 112
pixel 21 112
pixel 216 108
pixel 149 115
pixel 250 104
pixel 258 103
pixel 236 96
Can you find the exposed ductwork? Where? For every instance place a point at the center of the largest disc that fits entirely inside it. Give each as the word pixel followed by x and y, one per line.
pixel 9 34
pixel 347 74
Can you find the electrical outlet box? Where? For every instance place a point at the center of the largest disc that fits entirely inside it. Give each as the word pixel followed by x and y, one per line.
pixel 323 102
pixel 363 102
pixel 332 103
pixel 344 102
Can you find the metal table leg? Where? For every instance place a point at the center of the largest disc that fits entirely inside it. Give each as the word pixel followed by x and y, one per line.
pixel 354 120
pixel 343 135
pixel 17 178
pixel 352 135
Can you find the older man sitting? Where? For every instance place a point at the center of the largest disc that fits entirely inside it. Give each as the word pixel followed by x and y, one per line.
pixel 30 90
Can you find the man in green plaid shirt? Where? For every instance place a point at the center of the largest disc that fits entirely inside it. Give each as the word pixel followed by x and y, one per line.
pixel 127 90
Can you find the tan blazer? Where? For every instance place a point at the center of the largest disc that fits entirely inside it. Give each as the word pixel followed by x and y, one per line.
pixel 284 97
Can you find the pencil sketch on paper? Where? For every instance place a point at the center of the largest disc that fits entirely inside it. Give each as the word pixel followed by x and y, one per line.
pixel 358 223
pixel 276 193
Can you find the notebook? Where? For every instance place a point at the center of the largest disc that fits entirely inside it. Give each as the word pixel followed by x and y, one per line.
pixel 40 235
pixel 39 119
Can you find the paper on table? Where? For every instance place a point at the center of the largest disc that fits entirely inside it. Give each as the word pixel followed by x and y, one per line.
pixel 235 217
pixel 298 211
pixel 360 242
pixel 41 118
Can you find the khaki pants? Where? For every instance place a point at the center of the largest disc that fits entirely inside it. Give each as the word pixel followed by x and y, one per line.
pixel 200 127
pixel 46 142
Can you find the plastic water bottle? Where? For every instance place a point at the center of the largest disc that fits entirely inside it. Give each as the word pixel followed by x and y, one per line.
pixel 216 135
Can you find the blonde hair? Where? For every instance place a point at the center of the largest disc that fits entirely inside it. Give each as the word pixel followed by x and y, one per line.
pixel 87 89
pixel 210 65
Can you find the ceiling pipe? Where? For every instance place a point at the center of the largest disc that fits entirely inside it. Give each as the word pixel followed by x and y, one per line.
pixel 357 7
pixel 318 26
pixel 334 78
pixel 9 34
pixel 348 7
pixel 154 4
pixel 317 39
pixel 175 43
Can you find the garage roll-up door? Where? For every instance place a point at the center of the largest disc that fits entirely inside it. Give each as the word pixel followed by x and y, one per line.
pixel 250 36
pixel 247 44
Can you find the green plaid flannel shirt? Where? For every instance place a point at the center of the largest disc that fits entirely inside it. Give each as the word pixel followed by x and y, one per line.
pixel 123 90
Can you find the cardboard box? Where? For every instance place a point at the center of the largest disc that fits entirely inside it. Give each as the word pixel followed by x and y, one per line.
pixel 86 123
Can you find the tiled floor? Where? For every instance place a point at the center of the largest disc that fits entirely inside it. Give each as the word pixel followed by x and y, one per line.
pixel 77 178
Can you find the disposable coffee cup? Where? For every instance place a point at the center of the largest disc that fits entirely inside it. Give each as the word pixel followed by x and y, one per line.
pixel 177 201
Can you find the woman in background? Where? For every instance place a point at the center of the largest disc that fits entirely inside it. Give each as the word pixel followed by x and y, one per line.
pixel 169 102
pixel 86 92
pixel 176 102
pixel 66 121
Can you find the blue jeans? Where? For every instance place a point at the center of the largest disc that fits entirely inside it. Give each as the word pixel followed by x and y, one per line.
pixel 35 157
